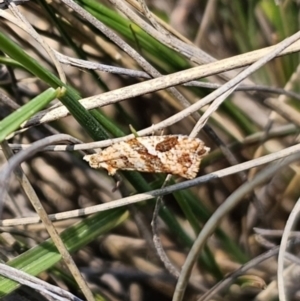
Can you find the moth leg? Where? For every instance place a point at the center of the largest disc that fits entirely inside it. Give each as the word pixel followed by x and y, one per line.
pixel 118 181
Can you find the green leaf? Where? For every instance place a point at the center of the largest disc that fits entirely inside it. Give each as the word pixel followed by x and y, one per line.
pixel 45 255
pixel 69 99
pixel 14 120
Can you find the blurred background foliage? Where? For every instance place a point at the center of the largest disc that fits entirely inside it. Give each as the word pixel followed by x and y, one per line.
pixel 114 249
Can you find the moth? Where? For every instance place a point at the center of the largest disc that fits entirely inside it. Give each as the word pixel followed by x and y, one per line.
pixel 170 154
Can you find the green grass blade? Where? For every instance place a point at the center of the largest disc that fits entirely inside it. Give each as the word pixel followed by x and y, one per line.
pixel 14 120
pixel 71 97
pixel 45 255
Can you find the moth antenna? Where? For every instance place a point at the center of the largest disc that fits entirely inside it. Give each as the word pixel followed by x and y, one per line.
pixel 133 131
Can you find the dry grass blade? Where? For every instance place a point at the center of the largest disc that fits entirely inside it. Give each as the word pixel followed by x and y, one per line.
pixel 159 192
pixel 35 283
pixel 32 196
pixel 124 62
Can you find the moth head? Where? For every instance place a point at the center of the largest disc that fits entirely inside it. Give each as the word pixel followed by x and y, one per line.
pixel 93 160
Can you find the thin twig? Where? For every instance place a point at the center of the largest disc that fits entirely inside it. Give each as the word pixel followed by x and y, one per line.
pixel 190 51
pixel 230 86
pixel 160 192
pixel 274 233
pixel 283 130
pixel 283 246
pixel 284 110
pixel 35 147
pixel 24 24
pixel 13 164
pixel 64 59
pixel 162 83
pixel 156 239
pixel 36 283
pixel 224 283
pixel 214 220
pixel 241 87
pixel 125 47
pixel 4 5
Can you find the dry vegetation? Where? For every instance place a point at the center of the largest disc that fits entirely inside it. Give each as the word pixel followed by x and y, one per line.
pixel 136 236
